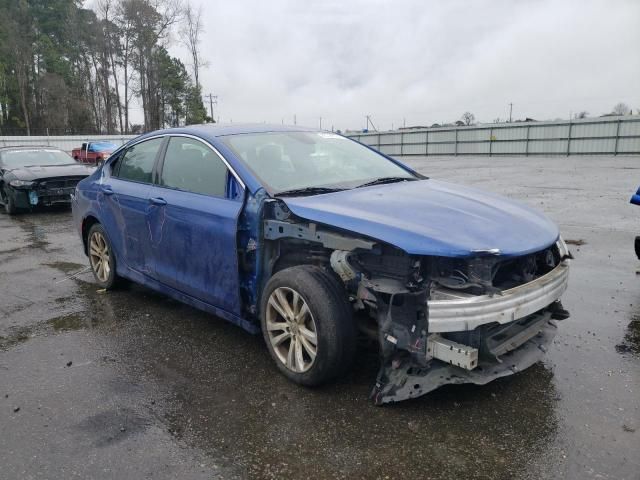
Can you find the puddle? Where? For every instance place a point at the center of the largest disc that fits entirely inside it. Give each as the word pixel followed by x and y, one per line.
pixel 66 267
pixel 19 336
pixel 631 340
pixel 73 321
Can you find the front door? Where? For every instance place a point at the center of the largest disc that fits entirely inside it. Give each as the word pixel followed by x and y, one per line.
pixel 193 225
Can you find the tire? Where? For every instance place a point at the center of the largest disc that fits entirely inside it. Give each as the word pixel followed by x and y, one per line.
pixel 99 161
pixel 9 205
pixel 102 258
pixel 329 316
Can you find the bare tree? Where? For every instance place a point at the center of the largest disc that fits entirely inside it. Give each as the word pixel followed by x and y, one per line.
pixel 620 109
pixel 112 50
pixel 468 118
pixel 127 35
pixel 151 22
pixel 190 35
pixel 582 114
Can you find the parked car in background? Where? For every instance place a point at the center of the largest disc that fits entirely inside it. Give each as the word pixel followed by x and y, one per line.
pixel 313 239
pixel 635 200
pixel 93 152
pixel 35 176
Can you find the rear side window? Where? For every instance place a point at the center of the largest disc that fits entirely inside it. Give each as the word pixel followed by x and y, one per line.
pixel 191 166
pixel 137 163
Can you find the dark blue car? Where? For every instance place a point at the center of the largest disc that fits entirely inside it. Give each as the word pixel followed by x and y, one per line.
pixel 315 240
pixel 635 200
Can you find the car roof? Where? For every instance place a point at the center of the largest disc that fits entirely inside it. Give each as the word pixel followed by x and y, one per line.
pixel 221 129
pixel 212 133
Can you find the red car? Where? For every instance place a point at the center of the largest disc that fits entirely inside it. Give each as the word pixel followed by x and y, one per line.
pixel 93 152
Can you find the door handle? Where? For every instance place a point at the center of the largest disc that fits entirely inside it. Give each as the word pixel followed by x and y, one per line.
pixel 106 190
pixel 158 201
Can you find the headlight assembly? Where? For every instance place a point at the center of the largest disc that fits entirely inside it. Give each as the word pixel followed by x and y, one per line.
pixel 21 183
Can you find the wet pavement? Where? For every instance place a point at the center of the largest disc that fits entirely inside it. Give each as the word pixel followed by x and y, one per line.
pixel 130 384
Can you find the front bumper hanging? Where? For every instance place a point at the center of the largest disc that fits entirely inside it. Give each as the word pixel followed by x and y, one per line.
pixel 401 379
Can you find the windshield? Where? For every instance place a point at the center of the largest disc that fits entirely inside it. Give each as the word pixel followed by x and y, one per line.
pixel 286 161
pixel 40 157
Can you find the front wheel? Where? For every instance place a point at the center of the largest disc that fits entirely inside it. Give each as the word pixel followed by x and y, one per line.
pixel 102 258
pixel 307 325
pixel 9 204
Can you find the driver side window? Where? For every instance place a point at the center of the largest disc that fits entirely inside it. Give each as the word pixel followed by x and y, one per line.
pixel 191 166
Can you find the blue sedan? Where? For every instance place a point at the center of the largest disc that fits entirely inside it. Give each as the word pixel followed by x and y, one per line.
pixel 314 240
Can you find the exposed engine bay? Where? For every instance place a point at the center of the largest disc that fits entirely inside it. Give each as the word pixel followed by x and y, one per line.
pixel 436 320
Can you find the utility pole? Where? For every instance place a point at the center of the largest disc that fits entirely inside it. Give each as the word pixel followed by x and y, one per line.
pixel 212 99
pixel 369 122
pixel 295 121
pixel 510 112
pixel 320 123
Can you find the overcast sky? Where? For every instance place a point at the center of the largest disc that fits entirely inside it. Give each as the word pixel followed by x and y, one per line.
pixel 418 61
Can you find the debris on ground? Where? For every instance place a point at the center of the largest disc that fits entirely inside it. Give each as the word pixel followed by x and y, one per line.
pixel 578 242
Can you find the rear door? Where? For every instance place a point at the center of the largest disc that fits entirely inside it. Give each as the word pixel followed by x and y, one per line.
pixel 193 224
pixel 125 201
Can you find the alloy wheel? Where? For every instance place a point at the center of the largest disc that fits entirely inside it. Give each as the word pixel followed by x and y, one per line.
pixel 291 329
pixel 99 256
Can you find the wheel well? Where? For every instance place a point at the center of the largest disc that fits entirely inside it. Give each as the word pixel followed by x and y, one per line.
pixel 87 223
pixel 292 258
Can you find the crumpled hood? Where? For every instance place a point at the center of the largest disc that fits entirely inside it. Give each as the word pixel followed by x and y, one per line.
pixel 52 171
pixel 430 217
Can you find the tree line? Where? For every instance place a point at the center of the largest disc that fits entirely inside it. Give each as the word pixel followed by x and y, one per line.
pixel 67 69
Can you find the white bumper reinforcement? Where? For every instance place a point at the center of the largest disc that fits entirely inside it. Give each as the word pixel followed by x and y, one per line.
pixel 454 312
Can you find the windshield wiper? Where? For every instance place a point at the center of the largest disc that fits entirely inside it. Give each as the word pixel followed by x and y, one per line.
pixel 308 191
pixel 383 180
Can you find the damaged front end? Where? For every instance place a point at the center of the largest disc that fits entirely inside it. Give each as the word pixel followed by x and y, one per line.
pixel 437 320
pixel 462 320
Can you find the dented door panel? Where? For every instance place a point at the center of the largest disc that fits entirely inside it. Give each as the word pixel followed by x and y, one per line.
pixel 193 244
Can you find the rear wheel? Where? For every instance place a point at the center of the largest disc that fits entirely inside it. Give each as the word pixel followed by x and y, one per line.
pixel 101 257
pixel 307 325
